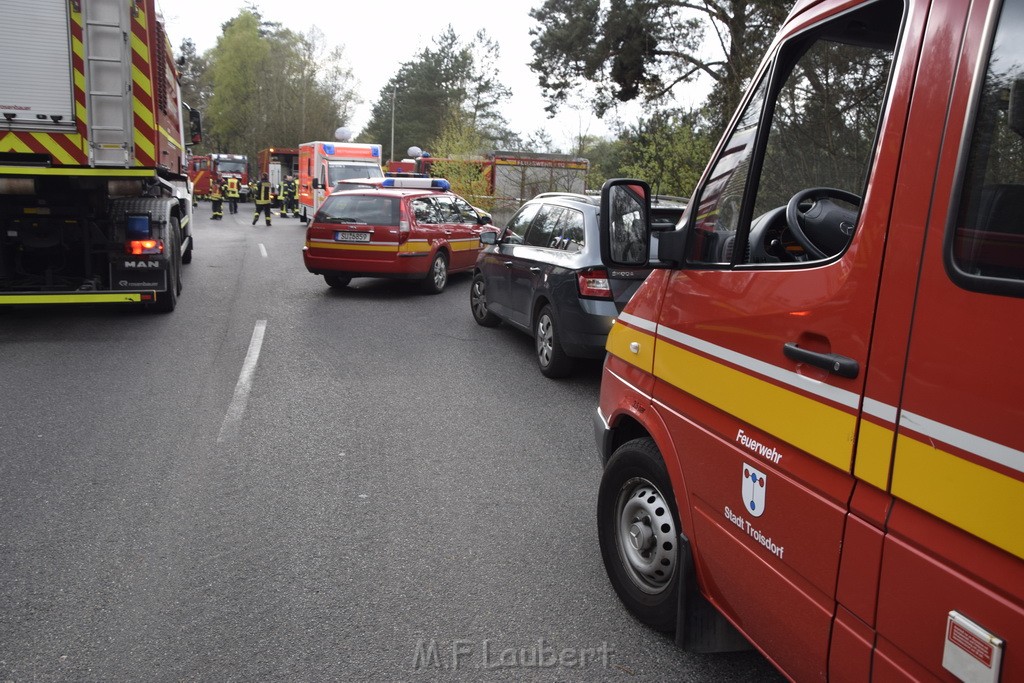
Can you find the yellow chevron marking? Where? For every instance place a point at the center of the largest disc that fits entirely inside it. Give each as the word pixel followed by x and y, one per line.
pixel 12 143
pixel 53 148
pixel 144 144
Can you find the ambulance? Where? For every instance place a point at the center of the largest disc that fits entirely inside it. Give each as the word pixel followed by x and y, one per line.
pixel 812 411
pixel 323 164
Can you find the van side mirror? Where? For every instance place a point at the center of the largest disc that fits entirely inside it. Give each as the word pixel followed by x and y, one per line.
pixel 625 223
pixel 316 184
pixel 488 237
pixel 195 126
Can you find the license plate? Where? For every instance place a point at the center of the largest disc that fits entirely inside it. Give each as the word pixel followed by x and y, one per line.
pixel 340 236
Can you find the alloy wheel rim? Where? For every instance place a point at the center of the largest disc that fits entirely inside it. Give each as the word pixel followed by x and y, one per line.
pixel 479 299
pixel 545 340
pixel 440 274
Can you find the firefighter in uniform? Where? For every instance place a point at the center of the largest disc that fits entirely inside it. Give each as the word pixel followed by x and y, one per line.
pixel 217 199
pixel 289 205
pixel 262 198
pixel 232 194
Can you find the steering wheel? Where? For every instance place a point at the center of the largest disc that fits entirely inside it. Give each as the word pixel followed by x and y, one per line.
pixel 825 228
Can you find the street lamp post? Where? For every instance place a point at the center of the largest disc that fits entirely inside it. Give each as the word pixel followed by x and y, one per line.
pixel 391 150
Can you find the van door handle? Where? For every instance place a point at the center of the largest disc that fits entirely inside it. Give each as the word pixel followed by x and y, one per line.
pixel 508 264
pixel 833 362
pixel 534 269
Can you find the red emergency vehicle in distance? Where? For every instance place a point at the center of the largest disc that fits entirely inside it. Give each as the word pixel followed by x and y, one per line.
pixel 323 164
pixel 200 173
pixel 278 163
pixel 232 166
pixel 811 410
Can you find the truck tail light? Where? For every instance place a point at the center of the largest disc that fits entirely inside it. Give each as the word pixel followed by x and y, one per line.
pixel 141 247
pixel 139 238
pixel 593 283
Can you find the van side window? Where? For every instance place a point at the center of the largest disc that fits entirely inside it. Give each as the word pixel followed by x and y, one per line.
pixel 985 245
pixel 788 184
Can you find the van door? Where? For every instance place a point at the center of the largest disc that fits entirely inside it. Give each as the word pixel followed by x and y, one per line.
pixel 952 575
pixel 764 337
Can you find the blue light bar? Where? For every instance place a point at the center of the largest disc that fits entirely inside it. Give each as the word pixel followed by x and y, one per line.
pixel 418 183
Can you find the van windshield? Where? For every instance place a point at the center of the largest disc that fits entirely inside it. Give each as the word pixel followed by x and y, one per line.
pixel 352 169
pixel 357 208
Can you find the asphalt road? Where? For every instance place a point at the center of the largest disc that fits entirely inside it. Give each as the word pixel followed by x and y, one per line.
pixel 283 482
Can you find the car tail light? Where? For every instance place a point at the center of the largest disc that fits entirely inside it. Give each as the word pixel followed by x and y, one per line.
pixel 140 247
pixel 403 222
pixel 593 283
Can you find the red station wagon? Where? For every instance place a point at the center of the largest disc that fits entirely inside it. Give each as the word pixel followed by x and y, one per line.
pixel 409 228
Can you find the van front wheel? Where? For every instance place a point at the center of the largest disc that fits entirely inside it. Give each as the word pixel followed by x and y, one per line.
pixel 638 530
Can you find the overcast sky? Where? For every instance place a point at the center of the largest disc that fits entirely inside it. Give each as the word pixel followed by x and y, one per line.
pixel 378 36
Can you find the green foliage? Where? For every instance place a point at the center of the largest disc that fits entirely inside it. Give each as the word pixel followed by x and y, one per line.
pixel 442 81
pixel 265 86
pixel 669 150
pixel 459 147
pixel 642 49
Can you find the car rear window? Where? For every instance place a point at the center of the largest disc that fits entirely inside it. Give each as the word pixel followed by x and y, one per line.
pixel 349 208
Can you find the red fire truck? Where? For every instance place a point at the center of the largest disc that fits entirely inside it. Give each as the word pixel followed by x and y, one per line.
pixel 226 166
pixel 95 203
pixel 278 163
pixel 200 172
pixel 811 410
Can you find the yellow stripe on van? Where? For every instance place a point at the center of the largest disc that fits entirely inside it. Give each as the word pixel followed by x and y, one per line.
pixel 809 424
pixel 874 454
pixel 619 339
pixel 974 498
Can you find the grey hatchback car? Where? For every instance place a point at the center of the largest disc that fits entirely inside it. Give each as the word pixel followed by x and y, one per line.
pixel 543 275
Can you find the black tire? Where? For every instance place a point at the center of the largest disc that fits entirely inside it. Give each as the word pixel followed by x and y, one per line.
pixel 478 303
pixel 167 301
pixel 437 276
pixel 638 530
pixel 337 281
pixel 553 361
pixel 187 256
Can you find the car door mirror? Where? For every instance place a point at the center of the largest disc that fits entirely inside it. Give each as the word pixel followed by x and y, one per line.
pixel 625 224
pixel 488 237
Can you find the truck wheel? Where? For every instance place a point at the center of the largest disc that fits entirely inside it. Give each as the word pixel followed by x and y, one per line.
pixel 638 530
pixel 187 256
pixel 478 303
pixel 553 361
pixel 167 301
pixel 437 277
